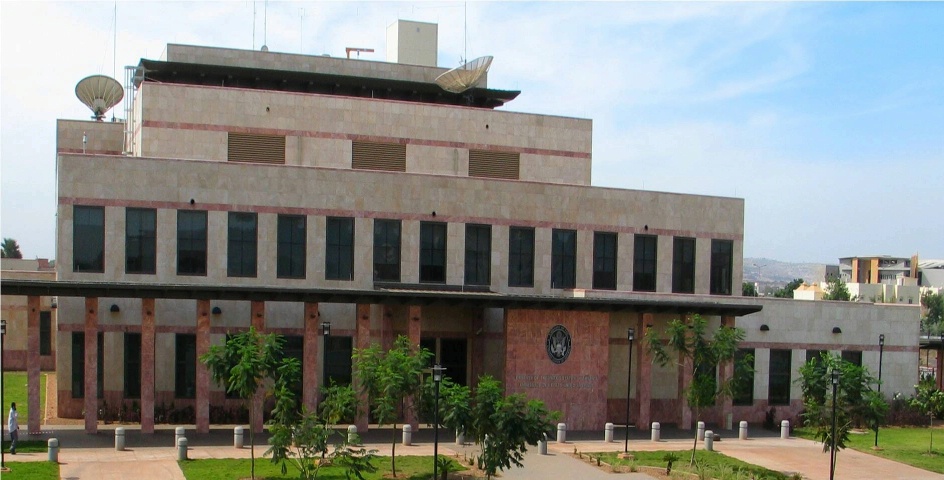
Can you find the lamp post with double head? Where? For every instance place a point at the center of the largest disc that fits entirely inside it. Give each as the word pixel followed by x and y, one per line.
pixel 437 379
pixel 881 351
pixel 832 453
pixel 630 335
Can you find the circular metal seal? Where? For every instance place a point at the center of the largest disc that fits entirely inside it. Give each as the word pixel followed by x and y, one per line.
pixel 558 344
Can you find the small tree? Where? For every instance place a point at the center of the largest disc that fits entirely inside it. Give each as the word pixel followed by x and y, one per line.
pixel 837 290
pixel 787 290
pixel 388 378
pixel 930 401
pixel 241 365
pixel 748 289
pixel 10 249
pixel 691 342
pixel 934 305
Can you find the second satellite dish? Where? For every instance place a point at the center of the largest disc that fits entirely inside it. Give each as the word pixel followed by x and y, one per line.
pixel 99 93
pixel 465 76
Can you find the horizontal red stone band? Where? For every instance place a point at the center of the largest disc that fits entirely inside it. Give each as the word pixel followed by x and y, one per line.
pixel 89 152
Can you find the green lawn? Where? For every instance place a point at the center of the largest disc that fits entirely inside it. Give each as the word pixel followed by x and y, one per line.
pixel 408 468
pixel 14 390
pixel 716 464
pixel 27 446
pixel 32 470
pixel 902 444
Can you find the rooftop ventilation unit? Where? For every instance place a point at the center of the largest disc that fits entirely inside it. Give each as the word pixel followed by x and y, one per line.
pixel 99 93
pixel 465 76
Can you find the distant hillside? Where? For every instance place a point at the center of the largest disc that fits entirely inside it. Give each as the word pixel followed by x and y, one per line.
pixel 772 274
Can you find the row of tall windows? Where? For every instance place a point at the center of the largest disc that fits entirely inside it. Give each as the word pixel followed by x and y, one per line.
pixel 243 234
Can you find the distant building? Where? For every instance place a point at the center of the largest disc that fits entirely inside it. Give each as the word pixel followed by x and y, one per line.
pixel 878 269
pixel 15 309
pixel 931 274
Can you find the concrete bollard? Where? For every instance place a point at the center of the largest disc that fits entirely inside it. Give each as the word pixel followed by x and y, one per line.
pixel 182 448
pixel 238 437
pixel 709 440
pixel 742 430
pixel 542 446
pixel 120 438
pixel 407 435
pixel 352 434
pixel 179 432
pixel 52 446
pixel 785 429
pixel 460 437
pixel 656 431
pixel 561 432
pixel 701 431
pixel 608 433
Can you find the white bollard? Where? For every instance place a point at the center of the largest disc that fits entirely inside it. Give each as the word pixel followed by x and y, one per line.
pixel 182 448
pixel 656 431
pixel 120 438
pixel 352 434
pixel 785 429
pixel 238 437
pixel 542 446
pixel 407 435
pixel 709 440
pixel 460 437
pixel 608 433
pixel 701 431
pixel 742 430
pixel 179 432
pixel 561 432
pixel 52 446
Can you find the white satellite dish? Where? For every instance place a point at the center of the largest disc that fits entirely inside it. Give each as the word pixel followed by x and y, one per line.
pixel 99 93
pixel 465 76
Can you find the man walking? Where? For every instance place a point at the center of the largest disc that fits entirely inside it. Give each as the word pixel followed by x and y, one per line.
pixel 13 426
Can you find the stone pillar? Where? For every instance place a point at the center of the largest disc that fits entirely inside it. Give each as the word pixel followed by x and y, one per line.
pixel 643 372
pixel 311 353
pixel 361 341
pixel 32 365
pixel 727 373
pixel 257 310
pixel 386 327
pixel 91 365
pixel 414 329
pixel 147 365
pixel 202 401
pixel 477 345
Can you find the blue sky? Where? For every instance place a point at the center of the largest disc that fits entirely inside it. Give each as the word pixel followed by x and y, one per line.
pixel 827 118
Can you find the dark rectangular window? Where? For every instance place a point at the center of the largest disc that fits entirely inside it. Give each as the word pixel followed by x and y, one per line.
pixel 78 364
pixel 563 258
pixel 815 355
pixel 520 257
pixel 290 253
pixel 743 394
pixel 191 242
pixel 337 362
pixel 722 263
pixel 140 240
pixel 853 356
pixel 386 250
pixel 88 239
pixel 433 252
pixel 478 254
pixel 683 265
pixel 132 365
pixel 779 378
pixel 185 366
pixel 339 248
pixel 45 333
pixel 294 347
pixel 604 260
pixel 644 263
pixel 452 356
pixel 241 245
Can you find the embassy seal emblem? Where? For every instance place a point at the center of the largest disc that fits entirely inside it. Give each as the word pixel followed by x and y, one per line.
pixel 558 344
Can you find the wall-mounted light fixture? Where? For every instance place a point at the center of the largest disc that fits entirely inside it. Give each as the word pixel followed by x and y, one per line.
pixel 114 308
pixel 764 328
pixel 217 310
pixel 326 328
pixel 837 330
pixel 54 304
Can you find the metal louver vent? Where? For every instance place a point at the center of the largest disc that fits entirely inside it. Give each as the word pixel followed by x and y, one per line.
pixel 494 164
pixel 379 156
pixel 248 147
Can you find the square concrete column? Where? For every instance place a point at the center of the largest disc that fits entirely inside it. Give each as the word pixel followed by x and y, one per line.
pixel 257 310
pixel 91 365
pixel 361 341
pixel 643 374
pixel 727 373
pixel 32 365
pixel 415 330
pixel 311 353
pixel 386 327
pixel 147 365
pixel 685 373
pixel 202 401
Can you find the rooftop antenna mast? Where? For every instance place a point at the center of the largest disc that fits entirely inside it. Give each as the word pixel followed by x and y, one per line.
pixel 265 27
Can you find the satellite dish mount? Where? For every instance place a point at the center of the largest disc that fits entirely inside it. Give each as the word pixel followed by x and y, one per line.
pixel 99 93
pixel 465 76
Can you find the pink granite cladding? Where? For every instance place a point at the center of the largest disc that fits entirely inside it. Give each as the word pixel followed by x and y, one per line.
pixel 477 347
pixel 327 212
pixel 387 333
pixel 257 320
pixel 147 365
pixel 15 360
pixel 203 375
pixel 684 381
pixel 578 386
pixel 78 151
pixel 415 326
pixel 32 364
pixel 91 364
pixel 311 353
pixel 644 374
pixel 940 369
pixel 362 341
pixel 359 138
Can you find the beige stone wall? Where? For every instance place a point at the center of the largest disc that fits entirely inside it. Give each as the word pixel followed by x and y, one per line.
pixel 101 137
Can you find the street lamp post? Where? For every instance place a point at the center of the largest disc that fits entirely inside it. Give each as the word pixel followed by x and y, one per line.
pixel 631 335
pixel 437 379
pixel 832 454
pixel 881 351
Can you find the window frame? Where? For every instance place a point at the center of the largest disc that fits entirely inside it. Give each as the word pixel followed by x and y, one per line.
pixel 743 395
pixel 776 378
pixel 645 262
pixel 291 252
pixel 521 257
pixel 683 265
pixel 563 258
pixel 605 259
pixel 242 244
pixel 186 365
pixel 131 386
pixel 141 246
pixel 339 248
pixel 478 254
pixel 388 235
pixel 88 238
pixel 432 254
pixel 196 242
pixel 722 265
